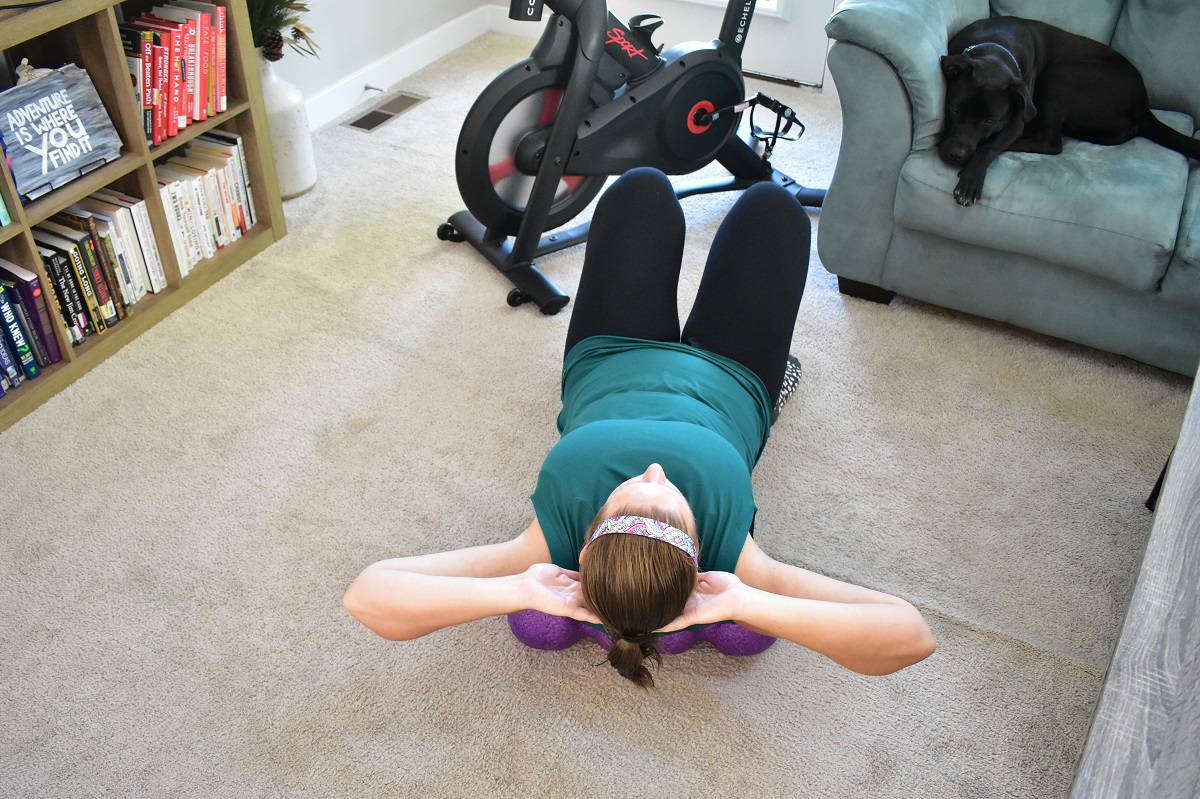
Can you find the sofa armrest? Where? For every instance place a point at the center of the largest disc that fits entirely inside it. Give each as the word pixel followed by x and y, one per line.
pixel 911 35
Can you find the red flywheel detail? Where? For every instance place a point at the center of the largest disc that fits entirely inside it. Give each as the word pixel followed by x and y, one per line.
pixel 706 107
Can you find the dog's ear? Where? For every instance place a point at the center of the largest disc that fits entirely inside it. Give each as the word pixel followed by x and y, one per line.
pixel 955 65
pixel 1021 89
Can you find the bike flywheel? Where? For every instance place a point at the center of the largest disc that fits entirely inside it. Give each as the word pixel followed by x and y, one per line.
pixel 498 150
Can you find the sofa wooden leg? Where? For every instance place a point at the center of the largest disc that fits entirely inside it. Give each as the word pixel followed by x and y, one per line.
pixel 864 291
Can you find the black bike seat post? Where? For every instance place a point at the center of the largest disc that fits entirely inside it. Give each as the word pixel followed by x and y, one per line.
pixel 736 26
pixel 525 10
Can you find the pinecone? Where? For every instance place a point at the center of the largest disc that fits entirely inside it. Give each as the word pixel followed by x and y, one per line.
pixel 272 46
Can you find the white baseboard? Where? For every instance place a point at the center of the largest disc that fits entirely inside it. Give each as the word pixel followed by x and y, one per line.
pixel 331 102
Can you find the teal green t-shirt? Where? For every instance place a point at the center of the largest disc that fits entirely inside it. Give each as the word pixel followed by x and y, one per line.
pixel 630 402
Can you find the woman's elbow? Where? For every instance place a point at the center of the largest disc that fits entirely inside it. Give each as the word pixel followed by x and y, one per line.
pixel 358 603
pixel 920 645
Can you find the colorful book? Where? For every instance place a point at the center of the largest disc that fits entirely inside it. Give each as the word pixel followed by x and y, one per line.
pixel 29 290
pixel 78 271
pixel 10 371
pixel 26 321
pixel 122 219
pixel 70 304
pixel 139 58
pixel 144 231
pixel 81 220
pixel 87 250
pixel 17 337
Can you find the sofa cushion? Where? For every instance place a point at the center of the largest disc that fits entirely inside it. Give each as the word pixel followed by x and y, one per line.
pixel 1160 37
pixel 1094 19
pixel 1182 283
pixel 1112 212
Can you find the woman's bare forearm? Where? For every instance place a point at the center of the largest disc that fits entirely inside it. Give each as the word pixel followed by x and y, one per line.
pixel 870 638
pixel 400 605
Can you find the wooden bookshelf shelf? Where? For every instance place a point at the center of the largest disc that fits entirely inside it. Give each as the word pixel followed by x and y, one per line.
pixel 96 46
pixel 10 231
pixel 196 128
pixel 18 26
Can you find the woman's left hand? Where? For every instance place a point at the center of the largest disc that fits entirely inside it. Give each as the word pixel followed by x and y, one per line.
pixel 717 596
pixel 554 590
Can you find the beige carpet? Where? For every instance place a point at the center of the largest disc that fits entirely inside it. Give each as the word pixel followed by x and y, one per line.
pixel 181 522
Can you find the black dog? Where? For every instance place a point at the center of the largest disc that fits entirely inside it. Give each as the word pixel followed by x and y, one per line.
pixel 1019 84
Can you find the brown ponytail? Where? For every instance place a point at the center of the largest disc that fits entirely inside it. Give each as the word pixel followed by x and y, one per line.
pixel 636 585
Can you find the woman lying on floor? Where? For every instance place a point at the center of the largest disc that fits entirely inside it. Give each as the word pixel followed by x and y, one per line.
pixel 617 542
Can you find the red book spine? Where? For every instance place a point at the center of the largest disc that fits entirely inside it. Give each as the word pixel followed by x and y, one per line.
pixel 222 83
pixel 205 65
pixel 171 38
pixel 160 93
pixel 193 64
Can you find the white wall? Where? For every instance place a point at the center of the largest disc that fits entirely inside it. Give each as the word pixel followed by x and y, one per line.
pixel 377 42
pixel 790 45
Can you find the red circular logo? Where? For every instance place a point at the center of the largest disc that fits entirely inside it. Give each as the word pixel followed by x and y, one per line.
pixel 706 107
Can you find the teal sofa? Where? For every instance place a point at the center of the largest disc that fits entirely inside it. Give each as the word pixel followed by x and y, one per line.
pixel 1097 245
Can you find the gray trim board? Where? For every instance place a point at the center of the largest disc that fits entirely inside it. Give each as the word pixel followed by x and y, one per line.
pixel 1145 736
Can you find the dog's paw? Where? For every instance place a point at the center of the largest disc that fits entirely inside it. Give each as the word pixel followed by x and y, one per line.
pixel 969 188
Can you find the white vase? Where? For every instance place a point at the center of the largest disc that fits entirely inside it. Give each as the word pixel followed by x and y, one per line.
pixel 291 139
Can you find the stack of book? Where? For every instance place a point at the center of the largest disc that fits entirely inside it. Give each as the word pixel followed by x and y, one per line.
pixel 207 194
pixel 176 54
pixel 101 259
pixel 22 312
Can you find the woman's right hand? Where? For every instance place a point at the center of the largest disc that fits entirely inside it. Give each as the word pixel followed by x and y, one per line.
pixel 554 590
pixel 717 596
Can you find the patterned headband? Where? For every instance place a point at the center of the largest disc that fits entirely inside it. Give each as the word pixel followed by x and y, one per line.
pixel 650 528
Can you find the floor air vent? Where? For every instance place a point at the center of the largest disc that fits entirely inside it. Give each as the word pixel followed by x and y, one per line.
pixel 388 108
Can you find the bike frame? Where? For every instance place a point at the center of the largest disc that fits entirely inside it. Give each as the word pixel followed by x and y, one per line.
pixel 598 34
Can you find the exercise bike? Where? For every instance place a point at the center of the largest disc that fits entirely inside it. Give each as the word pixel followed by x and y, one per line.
pixel 595 98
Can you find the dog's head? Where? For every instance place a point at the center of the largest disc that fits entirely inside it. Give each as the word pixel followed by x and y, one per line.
pixel 983 93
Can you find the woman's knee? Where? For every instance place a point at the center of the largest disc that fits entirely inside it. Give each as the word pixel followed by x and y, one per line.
pixel 639 184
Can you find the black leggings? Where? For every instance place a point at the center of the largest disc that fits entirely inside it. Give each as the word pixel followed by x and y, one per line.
pixel 750 292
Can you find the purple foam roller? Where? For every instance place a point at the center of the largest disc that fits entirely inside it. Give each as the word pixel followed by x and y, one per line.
pixel 543 631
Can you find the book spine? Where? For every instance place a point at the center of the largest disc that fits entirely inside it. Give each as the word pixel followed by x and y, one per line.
pixel 32 296
pixel 171 39
pixel 146 42
pixel 8 365
pixel 174 220
pixel 104 298
pixel 205 66
pixel 31 335
pixel 222 57
pixel 69 300
pixel 16 337
pixel 160 93
pixel 192 45
pixel 120 272
pixel 4 217
pixel 79 271
pixel 108 270
pixel 133 252
pixel 145 233
pixel 55 309
pixel 185 190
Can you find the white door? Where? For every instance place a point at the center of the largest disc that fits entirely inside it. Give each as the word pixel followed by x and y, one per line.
pixel 787 37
